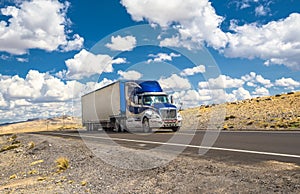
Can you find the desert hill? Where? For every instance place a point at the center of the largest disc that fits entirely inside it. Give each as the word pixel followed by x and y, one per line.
pixel 34 125
pixel 279 112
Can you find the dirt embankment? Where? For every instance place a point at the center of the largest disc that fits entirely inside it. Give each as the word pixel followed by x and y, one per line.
pixel 43 164
pixel 280 112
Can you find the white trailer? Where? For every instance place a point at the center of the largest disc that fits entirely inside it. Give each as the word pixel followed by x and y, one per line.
pixel 102 108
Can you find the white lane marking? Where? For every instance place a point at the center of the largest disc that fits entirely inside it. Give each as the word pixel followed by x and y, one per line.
pixel 212 131
pixel 183 145
pixel 271 132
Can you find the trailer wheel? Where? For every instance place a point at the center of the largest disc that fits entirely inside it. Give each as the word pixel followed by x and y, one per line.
pixel 89 127
pixel 146 125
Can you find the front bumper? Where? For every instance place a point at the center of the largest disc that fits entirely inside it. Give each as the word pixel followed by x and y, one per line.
pixel 171 124
pixel 158 123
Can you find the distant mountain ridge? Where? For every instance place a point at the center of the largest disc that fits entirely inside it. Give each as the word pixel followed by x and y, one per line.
pixel 38 124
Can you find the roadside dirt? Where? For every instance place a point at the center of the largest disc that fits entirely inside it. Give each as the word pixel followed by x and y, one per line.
pixel 30 166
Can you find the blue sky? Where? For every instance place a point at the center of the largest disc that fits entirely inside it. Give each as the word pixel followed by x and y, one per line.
pixel 202 52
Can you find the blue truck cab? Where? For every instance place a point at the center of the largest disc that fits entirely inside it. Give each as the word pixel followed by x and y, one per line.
pixel 149 107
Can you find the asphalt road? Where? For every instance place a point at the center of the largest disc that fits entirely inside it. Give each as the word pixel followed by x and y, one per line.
pixel 243 147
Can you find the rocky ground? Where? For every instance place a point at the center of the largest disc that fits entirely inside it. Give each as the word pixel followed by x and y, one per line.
pixel 40 164
pixel 279 112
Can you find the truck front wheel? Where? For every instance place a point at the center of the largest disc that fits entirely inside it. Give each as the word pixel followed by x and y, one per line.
pixel 117 126
pixel 146 125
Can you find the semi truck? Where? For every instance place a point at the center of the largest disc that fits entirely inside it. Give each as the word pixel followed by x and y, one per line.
pixel 127 105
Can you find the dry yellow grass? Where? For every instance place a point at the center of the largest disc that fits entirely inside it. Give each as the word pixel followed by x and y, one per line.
pixel 31 145
pixel 83 183
pixel 9 147
pixel 13 176
pixel 36 162
pixel 62 164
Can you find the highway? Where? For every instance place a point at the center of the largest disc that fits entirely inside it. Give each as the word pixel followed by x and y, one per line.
pixel 243 146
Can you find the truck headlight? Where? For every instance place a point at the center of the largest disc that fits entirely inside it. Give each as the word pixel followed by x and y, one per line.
pixel 152 114
pixel 155 116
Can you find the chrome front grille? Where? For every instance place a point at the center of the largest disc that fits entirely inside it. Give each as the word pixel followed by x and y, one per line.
pixel 168 113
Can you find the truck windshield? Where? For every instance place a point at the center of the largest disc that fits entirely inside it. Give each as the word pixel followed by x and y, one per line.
pixel 148 100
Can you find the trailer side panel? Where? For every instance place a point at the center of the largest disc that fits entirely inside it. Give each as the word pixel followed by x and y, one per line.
pixel 101 105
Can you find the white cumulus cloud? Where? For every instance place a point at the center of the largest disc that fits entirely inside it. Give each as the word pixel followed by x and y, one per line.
pixel 193 71
pixel 41 95
pixel 85 64
pixel 261 91
pixel 241 94
pixel 192 98
pixel 130 75
pixel 91 86
pixel 276 42
pixel 288 83
pixel 73 44
pixel 3 102
pixel 119 43
pixel 174 41
pixel 261 10
pixel 189 98
pixel 253 79
pixel 37 87
pixel 178 41
pixel 197 19
pixel 221 82
pixel 35 24
pixel 174 83
pixel 160 57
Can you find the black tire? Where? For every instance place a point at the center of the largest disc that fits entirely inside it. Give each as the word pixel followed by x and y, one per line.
pixel 146 125
pixel 117 127
pixel 124 129
pixel 174 129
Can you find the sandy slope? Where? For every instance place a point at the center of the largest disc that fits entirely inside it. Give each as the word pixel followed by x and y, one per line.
pixel 280 112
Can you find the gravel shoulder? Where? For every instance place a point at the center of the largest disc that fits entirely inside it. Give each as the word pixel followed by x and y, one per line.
pixel 30 166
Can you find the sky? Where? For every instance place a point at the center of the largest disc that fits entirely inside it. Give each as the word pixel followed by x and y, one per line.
pixel 202 52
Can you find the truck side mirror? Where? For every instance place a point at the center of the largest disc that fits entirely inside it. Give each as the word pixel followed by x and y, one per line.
pixel 172 99
pixel 180 108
